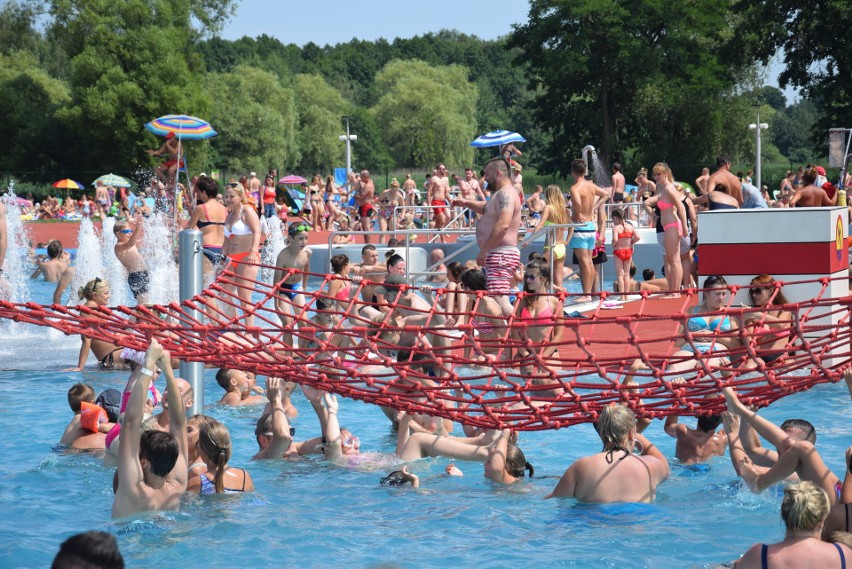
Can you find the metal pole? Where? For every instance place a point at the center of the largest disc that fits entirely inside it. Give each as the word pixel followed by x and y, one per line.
pixel 348 149
pixel 189 242
pixel 757 166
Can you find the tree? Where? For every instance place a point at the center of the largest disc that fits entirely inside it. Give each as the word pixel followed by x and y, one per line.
pixel 592 61
pixel 256 120
pixel 320 107
pixel 817 53
pixel 369 151
pixel 29 98
pixel 131 61
pixel 426 113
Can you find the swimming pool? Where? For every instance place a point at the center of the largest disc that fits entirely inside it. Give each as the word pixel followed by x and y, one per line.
pixel 309 513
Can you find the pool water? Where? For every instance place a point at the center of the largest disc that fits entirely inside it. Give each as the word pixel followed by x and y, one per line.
pixel 310 513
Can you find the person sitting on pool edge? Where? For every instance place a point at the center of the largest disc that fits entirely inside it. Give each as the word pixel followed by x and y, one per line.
pixel 152 467
pixel 239 387
pixel 615 474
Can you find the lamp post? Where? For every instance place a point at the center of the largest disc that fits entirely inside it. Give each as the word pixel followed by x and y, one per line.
pixel 757 127
pixel 349 138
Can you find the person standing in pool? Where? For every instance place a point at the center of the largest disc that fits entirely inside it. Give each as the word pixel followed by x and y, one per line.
pixel 209 217
pixel 57 269
pixel 152 465
pixel 497 231
pixel 127 252
pixel 616 474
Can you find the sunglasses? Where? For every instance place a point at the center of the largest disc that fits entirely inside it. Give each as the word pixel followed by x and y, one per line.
pixel 292 433
pixel 233 184
pixel 530 277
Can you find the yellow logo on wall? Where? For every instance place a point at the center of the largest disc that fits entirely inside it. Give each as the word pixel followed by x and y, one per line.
pixel 839 242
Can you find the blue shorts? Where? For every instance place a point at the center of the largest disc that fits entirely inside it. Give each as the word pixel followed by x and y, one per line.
pixel 290 290
pixel 584 237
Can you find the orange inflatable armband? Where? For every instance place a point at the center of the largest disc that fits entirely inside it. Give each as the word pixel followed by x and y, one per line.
pixel 91 416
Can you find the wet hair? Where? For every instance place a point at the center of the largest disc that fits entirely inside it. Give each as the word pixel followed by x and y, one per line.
pixel 723 160
pixel 805 427
pixel 616 167
pixel 263 425
pixel 516 462
pixel 648 274
pixel 632 270
pixel 79 393
pixel 766 281
pixel 322 303
pixel 708 424
pixel 715 280
pixel 160 449
pixel 393 242
pixel 395 478
pixel 456 269
pixel 118 227
pixel 473 279
pixel 556 201
pixel 200 419
pixel 392 259
pixel 578 166
pixel 663 168
pixel 617 214
pixel 209 186
pixel 91 288
pixel 89 550
pixel 54 249
pixel 614 426
pixel 223 377
pixel 339 262
pixel 367 247
pixel 214 440
pixel 804 507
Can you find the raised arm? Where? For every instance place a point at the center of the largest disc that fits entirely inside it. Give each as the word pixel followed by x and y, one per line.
pixel 281 439
pixel 177 418
pixel 333 438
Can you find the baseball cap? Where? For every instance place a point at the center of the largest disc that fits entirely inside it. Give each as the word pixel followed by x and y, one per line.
pixel 110 401
pixel 391 287
pixel 820 170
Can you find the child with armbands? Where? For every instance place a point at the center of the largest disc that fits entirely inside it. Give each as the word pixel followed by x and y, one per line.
pixel 87 429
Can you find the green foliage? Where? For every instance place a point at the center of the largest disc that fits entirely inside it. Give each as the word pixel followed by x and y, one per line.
pixel 320 110
pixel 256 120
pixel 817 52
pixel 426 113
pixel 369 151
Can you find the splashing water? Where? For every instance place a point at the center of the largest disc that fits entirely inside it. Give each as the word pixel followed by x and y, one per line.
pixel 275 242
pixel 88 261
pixel 18 266
pixel 600 175
pixel 158 251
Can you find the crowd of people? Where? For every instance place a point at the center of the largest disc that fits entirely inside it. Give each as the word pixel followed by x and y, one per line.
pixel 161 456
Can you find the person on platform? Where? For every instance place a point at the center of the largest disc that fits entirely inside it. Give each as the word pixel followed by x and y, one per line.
pixel 56 269
pixel 811 195
pixel 171 148
pixel 586 199
pixel 241 247
pixel 291 277
pixel 723 175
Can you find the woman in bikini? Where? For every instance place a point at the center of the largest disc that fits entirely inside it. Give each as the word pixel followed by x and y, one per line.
pixel 340 285
pixel 332 203
pixel 209 217
pixel 673 219
pixel 539 338
pixel 96 294
pixel 770 328
pixel 623 237
pixel 214 449
pixel 317 208
pixel 242 245
pixel 709 332
pixel 554 213
pixel 804 510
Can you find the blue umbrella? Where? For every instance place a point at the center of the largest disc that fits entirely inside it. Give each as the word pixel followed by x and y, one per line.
pixel 497 138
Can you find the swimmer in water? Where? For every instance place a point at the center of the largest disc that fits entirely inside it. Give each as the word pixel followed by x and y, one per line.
pixel 504 462
pixel 616 474
pixel 273 433
pixel 239 386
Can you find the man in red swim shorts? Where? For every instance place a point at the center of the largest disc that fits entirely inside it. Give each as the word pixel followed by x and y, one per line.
pixel 365 191
pixel 437 194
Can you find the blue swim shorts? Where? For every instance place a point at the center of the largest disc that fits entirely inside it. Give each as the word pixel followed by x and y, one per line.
pixel 584 237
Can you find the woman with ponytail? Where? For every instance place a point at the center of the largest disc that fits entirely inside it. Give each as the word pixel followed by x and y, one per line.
pixel 214 448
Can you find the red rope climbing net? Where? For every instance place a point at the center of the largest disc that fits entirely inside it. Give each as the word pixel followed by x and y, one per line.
pixel 527 373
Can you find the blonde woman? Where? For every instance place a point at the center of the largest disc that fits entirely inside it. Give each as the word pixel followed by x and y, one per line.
pixel 214 449
pixel 242 243
pixel 673 219
pixel 96 294
pixel 555 213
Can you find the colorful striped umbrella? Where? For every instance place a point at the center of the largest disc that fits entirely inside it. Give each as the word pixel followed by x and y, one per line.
pixel 114 181
pixel 68 184
pixel 292 180
pixel 183 126
pixel 497 138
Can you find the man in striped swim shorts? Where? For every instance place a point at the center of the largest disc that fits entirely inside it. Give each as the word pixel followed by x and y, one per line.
pixel 497 230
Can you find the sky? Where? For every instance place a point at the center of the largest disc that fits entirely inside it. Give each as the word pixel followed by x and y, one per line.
pixel 338 21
